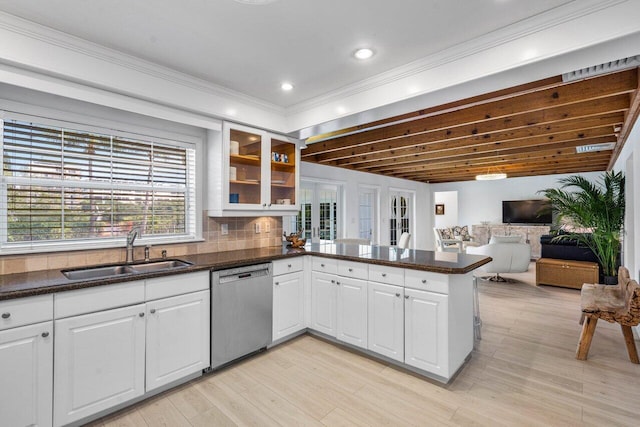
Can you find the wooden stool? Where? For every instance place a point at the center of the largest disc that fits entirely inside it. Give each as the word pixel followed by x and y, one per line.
pixel 619 304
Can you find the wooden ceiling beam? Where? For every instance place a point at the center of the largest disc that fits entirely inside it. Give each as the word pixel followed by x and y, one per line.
pixel 440 109
pixel 488 155
pixel 630 119
pixel 566 93
pixel 587 160
pixel 576 129
pixel 617 104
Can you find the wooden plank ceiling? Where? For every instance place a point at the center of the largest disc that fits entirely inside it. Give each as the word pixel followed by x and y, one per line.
pixel 526 130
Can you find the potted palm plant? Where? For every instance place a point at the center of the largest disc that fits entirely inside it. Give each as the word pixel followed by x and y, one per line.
pixel 597 208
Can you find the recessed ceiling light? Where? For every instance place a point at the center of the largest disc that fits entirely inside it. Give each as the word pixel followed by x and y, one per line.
pixel 286 86
pixel 363 53
pixel 256 2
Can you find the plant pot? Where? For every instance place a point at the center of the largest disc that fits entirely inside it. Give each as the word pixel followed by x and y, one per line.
pixel 610 280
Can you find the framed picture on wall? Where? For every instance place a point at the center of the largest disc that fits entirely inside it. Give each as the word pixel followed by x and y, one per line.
pixel 439 209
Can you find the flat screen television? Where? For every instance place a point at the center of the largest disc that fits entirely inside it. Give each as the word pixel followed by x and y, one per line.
pixel 526 212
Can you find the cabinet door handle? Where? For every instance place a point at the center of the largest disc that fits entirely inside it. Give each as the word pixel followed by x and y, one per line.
pixel 424 280
pixel 397 294
pixel 153 310
pixel 6 315
pixel 264 205
pixel 45 334
pixel 269 204
pixel 141 314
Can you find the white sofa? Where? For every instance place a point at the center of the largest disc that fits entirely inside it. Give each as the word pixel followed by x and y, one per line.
pixel 508 257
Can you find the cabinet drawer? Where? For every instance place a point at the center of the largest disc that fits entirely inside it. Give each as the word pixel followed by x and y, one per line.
pixel 25 311
pixel 426 281
pixel 290 265
pixel 326 265
pixel 357 270
pixel 177 284
pixel 384 274
pixel 98 298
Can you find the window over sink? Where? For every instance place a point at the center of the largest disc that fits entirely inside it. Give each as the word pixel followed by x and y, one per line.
pixel 65 184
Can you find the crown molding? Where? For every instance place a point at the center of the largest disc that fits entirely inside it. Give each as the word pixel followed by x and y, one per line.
pixel 536 24
pixel 128 63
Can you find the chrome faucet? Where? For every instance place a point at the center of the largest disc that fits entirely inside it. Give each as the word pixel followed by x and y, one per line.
pixel 131 237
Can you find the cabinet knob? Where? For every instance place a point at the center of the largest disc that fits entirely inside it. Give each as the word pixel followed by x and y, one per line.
pixel 333 281
pixel 269 204
pixel 338 283
pixel 350 270
pixel 153 310
pixel 141 314
pixel 424 280
pixel 6 315
pixel 406 297
pixel 277 283
pixel 321 265
pixel 264 205
pixel 384 274
pixel 289 265
pixel 45 334
pixel 397 294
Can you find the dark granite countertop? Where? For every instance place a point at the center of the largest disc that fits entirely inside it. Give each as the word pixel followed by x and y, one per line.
pixel 48 281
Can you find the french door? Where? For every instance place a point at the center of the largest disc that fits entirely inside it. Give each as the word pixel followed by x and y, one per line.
pixel 400 215
pixel 319 211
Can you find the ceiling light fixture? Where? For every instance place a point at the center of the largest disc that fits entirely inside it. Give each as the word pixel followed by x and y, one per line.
pixel 363 53
pixel 286 86
pixel 491 175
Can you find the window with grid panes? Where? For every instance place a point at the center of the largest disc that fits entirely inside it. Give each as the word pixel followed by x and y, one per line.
pixel 61 184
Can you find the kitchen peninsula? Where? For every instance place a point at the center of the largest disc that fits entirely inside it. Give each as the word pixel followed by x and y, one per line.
pixel 411 308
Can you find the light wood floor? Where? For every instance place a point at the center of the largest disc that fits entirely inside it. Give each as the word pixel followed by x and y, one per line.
pixel 523 372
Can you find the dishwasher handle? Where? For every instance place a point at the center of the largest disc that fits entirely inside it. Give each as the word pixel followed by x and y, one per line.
pixel 241 273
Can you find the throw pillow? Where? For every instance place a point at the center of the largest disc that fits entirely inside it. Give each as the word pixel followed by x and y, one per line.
pixel 445 233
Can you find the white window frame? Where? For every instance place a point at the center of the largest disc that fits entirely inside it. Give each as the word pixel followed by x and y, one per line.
pixel 51 117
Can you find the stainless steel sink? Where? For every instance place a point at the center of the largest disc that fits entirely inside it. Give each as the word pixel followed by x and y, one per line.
pixel 103 272
pixel 149 267
pixel 98 272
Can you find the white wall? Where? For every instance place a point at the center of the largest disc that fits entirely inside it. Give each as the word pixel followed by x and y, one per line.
pixel 423 212
pixel 628 161
pixel 482 200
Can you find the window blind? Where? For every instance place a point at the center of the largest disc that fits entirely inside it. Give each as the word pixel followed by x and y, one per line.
pixel 63 184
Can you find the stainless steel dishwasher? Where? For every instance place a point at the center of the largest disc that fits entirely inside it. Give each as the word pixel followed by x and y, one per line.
pixel 241 312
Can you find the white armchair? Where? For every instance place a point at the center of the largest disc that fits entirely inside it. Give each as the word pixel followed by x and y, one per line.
pixel 507 258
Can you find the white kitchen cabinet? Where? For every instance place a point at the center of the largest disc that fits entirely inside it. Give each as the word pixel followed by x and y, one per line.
pixel 99 361
pixel 288 304
pixel 26 372
pixel 351 311
pixel 323 303
pixel 426 331
pixel 177 338
pixel 252 172
pixel 386 320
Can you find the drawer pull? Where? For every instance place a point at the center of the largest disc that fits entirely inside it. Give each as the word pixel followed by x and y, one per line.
pixel 6 315
pixel 141 314
pixel 406 297
pixel 333 281
pixel 338 283
pixel 277 283
pixel 350 270
pixel 424 280
pixel 289 265
pixel 321 265
pixel 384 274
pixel 153 310
pixel 45 334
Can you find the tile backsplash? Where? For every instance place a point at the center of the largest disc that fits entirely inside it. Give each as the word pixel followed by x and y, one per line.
pixel 241 234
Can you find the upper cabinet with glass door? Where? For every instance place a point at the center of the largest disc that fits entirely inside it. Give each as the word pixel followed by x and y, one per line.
pixel 259 173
